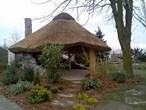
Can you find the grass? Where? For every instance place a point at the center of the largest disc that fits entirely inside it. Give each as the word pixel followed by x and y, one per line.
pixel 139 66
pixel 141 74
pixel 119 94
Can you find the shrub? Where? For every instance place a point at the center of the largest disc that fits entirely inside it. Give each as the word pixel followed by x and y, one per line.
pixel 3 64
pixel 142 58
pixel 78 107
pixel 104 68
pixel 11 76
pixel 39 94
pixel 36 79
pixel 91 101
pixel 28 72
pixel 48 87
pixel 20 87
pixel 50 59
pixel 118 76
pixel 82 96
pixel 90 83
pixel 54 91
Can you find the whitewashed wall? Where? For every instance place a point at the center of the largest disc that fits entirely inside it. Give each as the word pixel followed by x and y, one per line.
pixel 11 57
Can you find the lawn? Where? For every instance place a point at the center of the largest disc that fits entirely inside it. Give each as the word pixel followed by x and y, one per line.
pixel 131 90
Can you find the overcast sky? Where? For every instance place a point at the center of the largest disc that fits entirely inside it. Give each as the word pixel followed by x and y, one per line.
pixel 13 13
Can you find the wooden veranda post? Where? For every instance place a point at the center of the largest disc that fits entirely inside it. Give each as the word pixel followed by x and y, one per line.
pixel 92 62
pixel 69 56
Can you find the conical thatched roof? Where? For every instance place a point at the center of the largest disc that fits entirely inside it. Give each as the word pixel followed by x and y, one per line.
pixel 63 29
pixel 64 16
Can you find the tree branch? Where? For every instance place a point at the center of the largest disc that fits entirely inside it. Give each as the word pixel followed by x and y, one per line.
pixel 41 3
pixel 141 20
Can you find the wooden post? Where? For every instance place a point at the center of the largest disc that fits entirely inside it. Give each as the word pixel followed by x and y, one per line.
pixel 69 56
pixel 92 62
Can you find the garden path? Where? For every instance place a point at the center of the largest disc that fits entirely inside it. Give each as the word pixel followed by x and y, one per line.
pixel 75 75
pixel 6 104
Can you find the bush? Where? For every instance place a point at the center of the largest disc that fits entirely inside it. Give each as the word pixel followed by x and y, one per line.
pixel 90 83
pixel 20 87
pixel 3 65
pixel 50 59
pixel 78 107
pixel 48 87
pixel 91 101
pixel 36 79
pixel 82 96
pixel 28 72
pixel 86 98
pixel 142 58
pixel 11 76
pixel 39 94
pixel 54 91
pixel 118 76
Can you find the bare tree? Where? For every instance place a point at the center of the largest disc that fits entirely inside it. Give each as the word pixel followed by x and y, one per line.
pixel 15 37
pixel 140 12
pixel 143 6
pixel 122 11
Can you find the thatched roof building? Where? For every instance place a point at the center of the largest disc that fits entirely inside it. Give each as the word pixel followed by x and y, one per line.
pixel 63 29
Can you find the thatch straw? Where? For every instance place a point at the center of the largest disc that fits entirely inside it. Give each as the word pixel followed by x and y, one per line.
pixel 59 31
pixel 64 16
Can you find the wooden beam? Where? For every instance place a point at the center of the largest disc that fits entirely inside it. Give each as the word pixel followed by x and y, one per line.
pixel 92 62
pixel 69 56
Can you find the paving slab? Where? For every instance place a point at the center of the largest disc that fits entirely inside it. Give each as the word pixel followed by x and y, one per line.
pixel 134 92
pixel 62 103
pixel 69 95
pixel 6 104
pixel 134 101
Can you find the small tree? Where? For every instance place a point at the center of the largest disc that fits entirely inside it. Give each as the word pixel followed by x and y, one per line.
pixel 99 34
pixel 50 59
pixel 138 54
pixel 11 76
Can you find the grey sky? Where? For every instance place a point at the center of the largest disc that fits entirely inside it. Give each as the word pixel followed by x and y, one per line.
pixel 13 13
